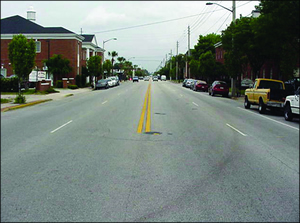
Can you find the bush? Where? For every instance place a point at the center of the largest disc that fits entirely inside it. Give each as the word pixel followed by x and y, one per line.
pixel 59 84
pixel 9 84
pixel 20 99
pixel 73 86
pixel 51 90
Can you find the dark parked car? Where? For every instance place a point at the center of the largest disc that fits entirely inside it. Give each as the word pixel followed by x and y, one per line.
pixel 135 78
pixel 188 83
pixel 184 82
pixel 200 86
pixel 219 87
pixel 103 83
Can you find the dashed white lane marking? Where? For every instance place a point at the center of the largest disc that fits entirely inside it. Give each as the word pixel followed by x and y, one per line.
pixel 195 104
pixel 61 126
pixel 236 129
pixel 104 102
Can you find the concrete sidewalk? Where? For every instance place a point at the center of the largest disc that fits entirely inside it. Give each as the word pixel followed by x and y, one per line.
pixel 31 99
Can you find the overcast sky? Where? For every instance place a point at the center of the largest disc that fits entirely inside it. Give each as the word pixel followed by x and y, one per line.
pixel 145 30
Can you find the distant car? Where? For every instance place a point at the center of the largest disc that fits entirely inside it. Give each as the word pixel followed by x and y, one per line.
pixel 201 86
pixel 163 77
pixel 184 82
pixel 155 78
pixel 192 84
pixel 103 83
pixel 219 87
pixel 146 78
pixel 141 77
pixel 135 79
pixel 291 106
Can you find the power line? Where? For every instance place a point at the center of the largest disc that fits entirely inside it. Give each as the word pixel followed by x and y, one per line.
pixel 148 24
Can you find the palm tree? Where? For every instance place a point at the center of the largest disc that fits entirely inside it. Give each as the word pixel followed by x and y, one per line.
pixel 112 54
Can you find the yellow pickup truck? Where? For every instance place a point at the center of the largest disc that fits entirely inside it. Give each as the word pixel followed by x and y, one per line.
pixel 266 93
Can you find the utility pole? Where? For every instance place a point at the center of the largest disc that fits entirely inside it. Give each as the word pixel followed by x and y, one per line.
pixel 171 63
pixel 177 61
pixel 189 51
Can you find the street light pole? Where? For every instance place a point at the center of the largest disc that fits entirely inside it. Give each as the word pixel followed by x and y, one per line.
pixel 104 50
pixel 233 11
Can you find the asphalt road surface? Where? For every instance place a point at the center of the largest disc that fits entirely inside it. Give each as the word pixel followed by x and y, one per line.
pixel 148 153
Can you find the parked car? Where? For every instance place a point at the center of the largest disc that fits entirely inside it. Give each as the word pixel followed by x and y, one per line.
pixel 141 77
pixel 192 84
pixel 155 78
pixel 219 87
pixel 110 82
pixel 114 80
pixel 201 86
pixel 291 106
pixel 184 82
pixel 163 77
pixel 146 78
pixel 103 83
pixel 135 79
pixel 189 82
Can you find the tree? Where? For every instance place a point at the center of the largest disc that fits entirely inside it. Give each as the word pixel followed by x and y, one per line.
pixel 107 66
pixel 21 54
pixel 58 66
pixel 112 54
pixel 94 66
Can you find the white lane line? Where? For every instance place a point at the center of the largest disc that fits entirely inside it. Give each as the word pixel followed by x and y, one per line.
pixel 270 119
pixel 104 102
pixel 236 129
pixel 181 95
pixel 119 93
pixel 61 126
pixel 195 104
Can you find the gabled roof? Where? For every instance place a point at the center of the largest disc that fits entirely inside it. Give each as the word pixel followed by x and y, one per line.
pixel 87 38
pixel 17 24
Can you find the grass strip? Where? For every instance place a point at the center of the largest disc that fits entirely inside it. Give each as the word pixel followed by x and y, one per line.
pixel 25 105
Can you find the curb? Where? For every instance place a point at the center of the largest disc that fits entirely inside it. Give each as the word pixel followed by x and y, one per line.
pixel 24 105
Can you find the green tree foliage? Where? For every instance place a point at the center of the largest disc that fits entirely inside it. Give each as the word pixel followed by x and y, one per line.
pixel 205 43
pixel 58 66
pixel 113 54
pixel 21 54
pixel 279 25
pixel 94 66
pixel 107 66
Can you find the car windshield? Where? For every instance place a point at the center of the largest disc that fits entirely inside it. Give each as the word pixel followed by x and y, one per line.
pixel 146 111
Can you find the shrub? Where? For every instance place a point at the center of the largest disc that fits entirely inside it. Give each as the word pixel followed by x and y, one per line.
pixel 5 100
pixel 73 86
pixel 51 90
pixel 9 84
pixel 20 99
pixel 59 84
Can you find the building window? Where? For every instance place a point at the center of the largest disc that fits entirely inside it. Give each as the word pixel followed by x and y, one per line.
pixel 37 46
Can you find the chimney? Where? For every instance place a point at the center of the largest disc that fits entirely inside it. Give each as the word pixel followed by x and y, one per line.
pixel 31 14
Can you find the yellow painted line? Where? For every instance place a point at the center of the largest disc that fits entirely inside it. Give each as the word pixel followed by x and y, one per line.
pixel 148 120
pixel 141 122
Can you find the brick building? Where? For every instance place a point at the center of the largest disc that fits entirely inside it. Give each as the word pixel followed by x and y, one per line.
pixel 49 41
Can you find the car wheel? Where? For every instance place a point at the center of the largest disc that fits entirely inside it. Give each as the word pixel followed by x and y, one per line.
pixel 246 103
pixel 212 93
pixel 261 107
pixel 288 115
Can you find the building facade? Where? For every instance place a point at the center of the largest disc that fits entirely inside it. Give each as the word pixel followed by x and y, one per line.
pixel 49 41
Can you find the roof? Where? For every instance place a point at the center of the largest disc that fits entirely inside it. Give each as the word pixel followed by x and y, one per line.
pixel 87 38
pixel 17 24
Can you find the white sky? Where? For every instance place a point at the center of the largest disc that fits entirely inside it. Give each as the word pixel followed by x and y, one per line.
pixel 148 44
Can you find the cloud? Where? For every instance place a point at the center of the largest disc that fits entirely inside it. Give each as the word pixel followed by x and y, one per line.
pixel 100 19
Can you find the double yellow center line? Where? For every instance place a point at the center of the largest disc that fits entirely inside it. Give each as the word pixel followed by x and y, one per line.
pixel 147 105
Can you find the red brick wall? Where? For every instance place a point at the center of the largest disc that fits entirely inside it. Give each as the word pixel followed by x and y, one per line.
pixel 68 48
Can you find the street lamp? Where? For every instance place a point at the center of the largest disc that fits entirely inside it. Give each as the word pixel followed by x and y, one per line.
pixel 105 42
pixel 233 90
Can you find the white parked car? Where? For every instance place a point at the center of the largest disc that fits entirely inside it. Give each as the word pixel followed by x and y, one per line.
pixel 110 82
pixel 291 106
pixel 163 77
pixel 114 80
